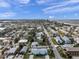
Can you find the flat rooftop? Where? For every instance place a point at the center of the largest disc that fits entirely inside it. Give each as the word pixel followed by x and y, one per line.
pixel 72 49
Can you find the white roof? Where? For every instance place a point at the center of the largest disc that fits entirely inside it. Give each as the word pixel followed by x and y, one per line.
pixel 77 40
pixel 39 27
pixel 24 49
pixel 34 43
pixel 6 41
pixel 39 34
pixel 72 48
pixel 22 41
pixel 39 37
pixel 58 39
pixel 66 39
pixel 0 46
pixel 1 38
pixel 63 31
pixel 41 51
pixel 9 57
pixel 12 50
pixel 1 28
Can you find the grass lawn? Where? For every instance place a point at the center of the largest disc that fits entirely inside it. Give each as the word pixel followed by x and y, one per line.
pixel 26 56
pixel 62 52
pixel 77 45
pixel 61 33
pixel 38 57
pixel 50 53
pixel 54 41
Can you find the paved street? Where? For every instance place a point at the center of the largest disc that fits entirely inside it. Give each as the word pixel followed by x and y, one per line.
pixel 56 53
pixel 75 57
pixel 31 56
pixel 19 57
pixel 47 57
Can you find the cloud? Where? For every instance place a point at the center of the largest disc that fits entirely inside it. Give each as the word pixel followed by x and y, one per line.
pixel 62 4
pixel 74 8
pixel 7 14
pixel 62 7
pixel 41 1
pixel 74 0
pixel 4 4
pixel 51 17
pixel 23 1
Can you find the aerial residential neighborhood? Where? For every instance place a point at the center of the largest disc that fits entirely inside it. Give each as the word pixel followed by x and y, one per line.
pixel 38 40
pixel 39 29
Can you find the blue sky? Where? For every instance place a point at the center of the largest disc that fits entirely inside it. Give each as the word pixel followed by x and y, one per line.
pixel 39 9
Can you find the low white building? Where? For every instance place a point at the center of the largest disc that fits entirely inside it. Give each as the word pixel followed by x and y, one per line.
pixel 76 39
pixel 63 31
pixel 39 51
pixel 12 50
pixel 4 40
pixel 22 42
pixel 2 28
pixel 39 39
pixel 39 34
pixel 58 39
pixel 66 39
pixel 39 28
pixel 34 44
pixel 23 50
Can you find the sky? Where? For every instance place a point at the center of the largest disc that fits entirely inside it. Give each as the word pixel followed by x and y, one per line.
pixel 39 9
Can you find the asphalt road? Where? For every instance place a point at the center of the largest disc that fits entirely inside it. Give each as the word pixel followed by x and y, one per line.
pixel 55 51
